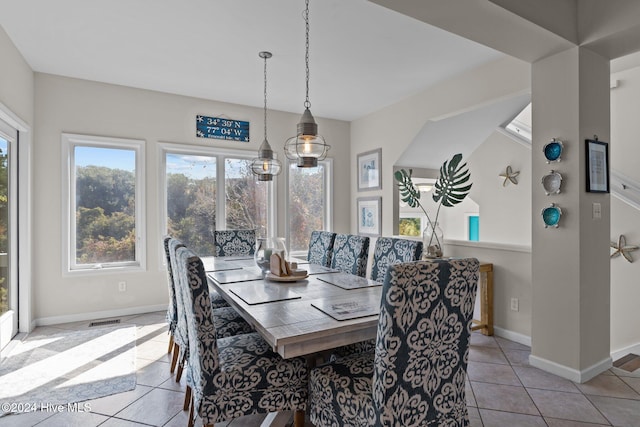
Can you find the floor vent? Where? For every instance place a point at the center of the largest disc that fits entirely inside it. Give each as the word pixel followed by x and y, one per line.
pixel 630 362
pixel 104 322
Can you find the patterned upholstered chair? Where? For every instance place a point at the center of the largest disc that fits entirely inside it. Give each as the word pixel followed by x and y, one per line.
pixel 350 254
pixel 235 242
pixel 389 251
pixel 416 376
pixel 235 376
pixel 321 247
pixel 229 321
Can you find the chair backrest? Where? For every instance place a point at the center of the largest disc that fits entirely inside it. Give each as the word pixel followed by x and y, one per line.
pixel 422 343
pixel 391 251
pixel 350 254
pixel 235 242
pixel 203 346
pixel 321 247
pixel 171 309
pixel 180 332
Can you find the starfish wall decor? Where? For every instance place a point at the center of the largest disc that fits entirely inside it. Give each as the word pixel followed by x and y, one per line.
pixel 621 248
pixel 509 175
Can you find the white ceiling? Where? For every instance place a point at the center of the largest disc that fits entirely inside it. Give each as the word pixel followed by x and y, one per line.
pixel 363 56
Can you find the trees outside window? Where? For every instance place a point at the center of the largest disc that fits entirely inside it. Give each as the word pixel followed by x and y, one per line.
pixel 309 196
pixel 208 189
pixel 105 202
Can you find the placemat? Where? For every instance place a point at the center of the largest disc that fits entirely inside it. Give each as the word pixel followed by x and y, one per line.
pixel 348 281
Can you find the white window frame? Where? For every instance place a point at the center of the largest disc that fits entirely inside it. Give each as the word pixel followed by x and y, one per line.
pixel 221 154
pixel 69 142
pixel 328 202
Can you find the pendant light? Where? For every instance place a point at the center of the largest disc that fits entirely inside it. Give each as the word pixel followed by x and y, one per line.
pixel 307 147
pixel 265 166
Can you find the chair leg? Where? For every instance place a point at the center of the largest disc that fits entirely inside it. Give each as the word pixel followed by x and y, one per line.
pixel 298 419
pixel 174 359
pixel 191 420
pixel 180 369
pixel 170 343
pixel 187 399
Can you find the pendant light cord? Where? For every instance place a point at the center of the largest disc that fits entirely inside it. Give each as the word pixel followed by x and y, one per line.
pixel 265 97
pixel 307 104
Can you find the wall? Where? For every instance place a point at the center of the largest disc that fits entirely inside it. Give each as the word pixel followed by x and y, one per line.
pixel 78 106
pixel 395 127
pixel 16 80
pixel 624 152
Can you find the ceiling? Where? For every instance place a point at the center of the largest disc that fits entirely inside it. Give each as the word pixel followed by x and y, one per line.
pixel 363 56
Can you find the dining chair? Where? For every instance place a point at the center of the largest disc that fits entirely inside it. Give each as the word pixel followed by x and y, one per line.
pixel 234 242
pixel 321 247
pixel 229 320
pixel 234 376
pixel 350 254
pixel 389 251
pixel 416 375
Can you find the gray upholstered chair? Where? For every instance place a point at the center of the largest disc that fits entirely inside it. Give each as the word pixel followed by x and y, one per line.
pixel 229 321
pixel 235 242
pixel 235 376
pixel 389 251
pixel 321 247
pixel 350 254
pixel 416 375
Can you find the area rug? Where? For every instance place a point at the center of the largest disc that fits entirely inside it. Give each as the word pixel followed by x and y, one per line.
pixel 68 367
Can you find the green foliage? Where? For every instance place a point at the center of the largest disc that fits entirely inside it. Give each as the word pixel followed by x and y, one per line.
pixel 409 227
pixel 450 188
pixel 408 192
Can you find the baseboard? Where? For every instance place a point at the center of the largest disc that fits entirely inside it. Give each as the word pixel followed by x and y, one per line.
pixel 635 349
pixel 81 317
pixel 512 336
pixel 570 373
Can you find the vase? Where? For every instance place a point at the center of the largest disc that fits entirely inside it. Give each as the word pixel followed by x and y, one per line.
pixel 432 240
pixel 265 247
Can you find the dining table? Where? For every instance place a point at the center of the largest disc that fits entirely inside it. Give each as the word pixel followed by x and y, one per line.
pixel 298 316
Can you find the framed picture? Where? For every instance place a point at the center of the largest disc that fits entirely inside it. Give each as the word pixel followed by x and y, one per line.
pixel 369 170
pixel 369 216
pixel 597 166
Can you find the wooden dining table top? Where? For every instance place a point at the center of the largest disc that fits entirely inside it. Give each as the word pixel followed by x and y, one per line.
pixel 292 316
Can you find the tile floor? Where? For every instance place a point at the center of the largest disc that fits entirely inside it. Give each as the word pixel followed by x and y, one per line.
pixel 502 390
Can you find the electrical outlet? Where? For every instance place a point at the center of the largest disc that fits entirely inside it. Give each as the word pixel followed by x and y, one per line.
pixel 122 286
pixel 514 304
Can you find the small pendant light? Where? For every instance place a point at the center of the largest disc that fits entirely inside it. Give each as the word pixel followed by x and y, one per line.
pixel 266 165
pixel 307 147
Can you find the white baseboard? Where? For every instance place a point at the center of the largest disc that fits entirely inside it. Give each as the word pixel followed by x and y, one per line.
pixel 512 336
pixel 82 317
pixel 570 373
pixel 617 354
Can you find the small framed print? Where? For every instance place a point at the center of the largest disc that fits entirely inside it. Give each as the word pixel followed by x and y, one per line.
pixel 369 177
pixel 597 155
pixel 369 216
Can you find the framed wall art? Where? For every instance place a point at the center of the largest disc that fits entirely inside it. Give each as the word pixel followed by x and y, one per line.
pixel 370 216
pixel 369 177
pixel 597 155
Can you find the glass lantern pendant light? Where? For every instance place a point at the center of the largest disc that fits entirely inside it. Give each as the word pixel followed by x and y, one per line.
pixel 307 147
pixel 265 166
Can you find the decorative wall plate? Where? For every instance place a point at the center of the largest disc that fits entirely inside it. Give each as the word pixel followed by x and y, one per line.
pixel 552 182
pixel 553 151
pixel 551 215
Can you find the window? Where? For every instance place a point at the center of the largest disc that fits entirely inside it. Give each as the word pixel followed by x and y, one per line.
pixel 411 224
pixel 105 204
pixel 206 189
pixel 308 201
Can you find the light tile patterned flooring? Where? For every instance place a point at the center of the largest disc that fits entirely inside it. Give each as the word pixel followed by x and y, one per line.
pixel 502 390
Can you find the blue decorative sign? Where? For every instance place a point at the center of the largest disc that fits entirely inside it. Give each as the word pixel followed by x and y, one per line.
pixel 219 128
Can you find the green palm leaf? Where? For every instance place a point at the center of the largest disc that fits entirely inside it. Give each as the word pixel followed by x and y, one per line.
pixel 453 184
pixel 408 192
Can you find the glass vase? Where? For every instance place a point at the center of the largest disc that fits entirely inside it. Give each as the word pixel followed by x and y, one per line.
pixel 265 247
pixel 432 240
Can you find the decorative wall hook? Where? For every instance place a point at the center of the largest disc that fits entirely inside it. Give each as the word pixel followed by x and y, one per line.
pixel 621 248
pixel 510 175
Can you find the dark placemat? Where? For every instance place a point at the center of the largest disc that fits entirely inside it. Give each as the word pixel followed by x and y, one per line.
pixel 348 281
